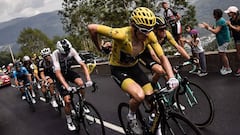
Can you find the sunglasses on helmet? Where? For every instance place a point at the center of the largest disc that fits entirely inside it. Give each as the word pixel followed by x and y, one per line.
pixel 144 30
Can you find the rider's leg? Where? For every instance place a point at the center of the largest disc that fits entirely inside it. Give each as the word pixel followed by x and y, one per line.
pixel 67 109
pixel 158 71
pixel 30 87
pixel 79 82
pixel 52 89
pixel 137 96
pixel 43 88
pixel 22 90
pixel 51 85
pixel 136 92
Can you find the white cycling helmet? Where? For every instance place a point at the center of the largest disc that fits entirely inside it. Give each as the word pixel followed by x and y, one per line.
pixel 45 52
pixel 26 58
pixel 10 64
pixel 64 46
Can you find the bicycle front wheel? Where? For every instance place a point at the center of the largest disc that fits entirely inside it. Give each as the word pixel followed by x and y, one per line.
pixel 29 100
pixel 195 104
pixel 123 109
pixel 59 101
pixel 176 124
pixel 93 123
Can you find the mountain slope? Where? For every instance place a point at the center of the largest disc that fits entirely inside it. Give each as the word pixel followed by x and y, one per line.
pixel 48 23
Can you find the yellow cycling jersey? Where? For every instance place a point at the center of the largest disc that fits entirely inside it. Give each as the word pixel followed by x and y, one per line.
pixel 168 37
pixel 122 48
pixel 34 68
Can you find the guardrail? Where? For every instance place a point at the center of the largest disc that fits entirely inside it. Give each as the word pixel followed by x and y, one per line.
pixel 212 59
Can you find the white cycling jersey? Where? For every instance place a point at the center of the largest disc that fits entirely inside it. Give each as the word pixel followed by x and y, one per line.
pixel 63 62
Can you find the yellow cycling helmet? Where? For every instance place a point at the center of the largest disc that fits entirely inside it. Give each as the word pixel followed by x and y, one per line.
pixel 143 16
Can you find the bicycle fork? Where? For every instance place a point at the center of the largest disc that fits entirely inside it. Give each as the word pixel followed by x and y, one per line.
pixel 190 95
pixel 29 96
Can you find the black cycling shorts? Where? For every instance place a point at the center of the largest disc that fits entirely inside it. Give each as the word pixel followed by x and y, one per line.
pixel 146 59
pixel 23 79
pixel 119 74
pixel 70 76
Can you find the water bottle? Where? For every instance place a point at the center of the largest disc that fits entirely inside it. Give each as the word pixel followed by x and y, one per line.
pixel 151 119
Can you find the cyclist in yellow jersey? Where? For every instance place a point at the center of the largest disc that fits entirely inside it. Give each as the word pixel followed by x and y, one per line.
pixel 149 58
pixel 128 43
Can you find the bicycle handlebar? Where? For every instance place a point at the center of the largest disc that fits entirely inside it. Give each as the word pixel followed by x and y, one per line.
pixel 157 95
pixel 94 85
pixel 15 86
pixel 186 63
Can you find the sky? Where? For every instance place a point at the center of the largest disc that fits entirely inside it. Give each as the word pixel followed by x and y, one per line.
pixel 10 9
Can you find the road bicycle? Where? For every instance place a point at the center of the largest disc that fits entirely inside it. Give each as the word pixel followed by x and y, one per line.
pixel 30 100
pixel 91 119
pixel 166 120
pixel 198 105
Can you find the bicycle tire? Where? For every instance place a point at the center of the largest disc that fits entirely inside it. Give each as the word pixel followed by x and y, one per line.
pixel 202 113
pixel 29 100
pixel 48 96
pixel 123 109
pixel 122 115
pixel 92 122
pixel 59 102
pixel 176 124
pixel 36 91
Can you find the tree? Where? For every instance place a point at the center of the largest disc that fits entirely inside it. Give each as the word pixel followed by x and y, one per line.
pixel 31 41
pixel 76 14
pixel 5 58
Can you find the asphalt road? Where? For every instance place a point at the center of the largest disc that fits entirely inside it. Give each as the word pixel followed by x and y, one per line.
pixel 17 119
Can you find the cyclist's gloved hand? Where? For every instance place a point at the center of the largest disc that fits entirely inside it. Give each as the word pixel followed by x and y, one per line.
pixel 194 60
pixel 46 83
pixel 69 89
pixel 173 83
pixel 89 83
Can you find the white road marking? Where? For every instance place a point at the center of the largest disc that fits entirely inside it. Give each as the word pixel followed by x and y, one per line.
pixel 107 124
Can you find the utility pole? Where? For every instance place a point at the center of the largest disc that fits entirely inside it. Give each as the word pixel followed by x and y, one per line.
pixel 10 49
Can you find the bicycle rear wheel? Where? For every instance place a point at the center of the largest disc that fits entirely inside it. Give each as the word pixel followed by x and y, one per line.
pixel 176 124
pixel 198 106
pixel 92 122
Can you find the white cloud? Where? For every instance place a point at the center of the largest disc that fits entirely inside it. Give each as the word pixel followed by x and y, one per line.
pixel 10 9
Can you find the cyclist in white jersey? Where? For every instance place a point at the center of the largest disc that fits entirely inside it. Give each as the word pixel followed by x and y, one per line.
pixel 62 60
